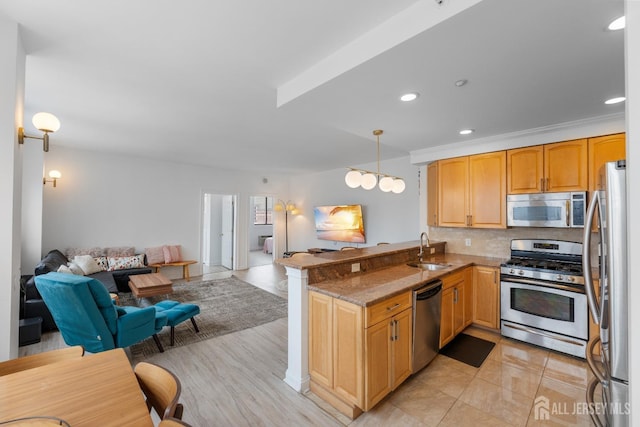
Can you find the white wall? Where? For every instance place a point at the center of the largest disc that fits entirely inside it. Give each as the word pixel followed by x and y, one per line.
pixel 114 200
pixel 388 217
pixel 32 190
pixel 12 71
pixel 632 71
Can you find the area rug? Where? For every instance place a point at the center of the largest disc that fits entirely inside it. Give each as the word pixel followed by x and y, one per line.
pixel 468 349
pixel 226 305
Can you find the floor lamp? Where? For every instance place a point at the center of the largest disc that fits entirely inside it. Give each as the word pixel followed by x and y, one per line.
pixel 286 207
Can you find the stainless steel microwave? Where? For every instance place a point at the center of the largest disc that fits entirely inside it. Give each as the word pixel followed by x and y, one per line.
pixel 559 210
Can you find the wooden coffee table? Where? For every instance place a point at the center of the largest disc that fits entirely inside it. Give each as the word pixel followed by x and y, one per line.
pixel 146 285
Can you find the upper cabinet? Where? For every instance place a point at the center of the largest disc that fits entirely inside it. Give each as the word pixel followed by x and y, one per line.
pixel 557 167
pixel 471 191
pixel 525 171
pixel 432 194
pixel 604 149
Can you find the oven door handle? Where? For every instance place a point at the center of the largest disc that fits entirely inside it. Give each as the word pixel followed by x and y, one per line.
pixel 542 334
pixel 586 259
pixel 531 282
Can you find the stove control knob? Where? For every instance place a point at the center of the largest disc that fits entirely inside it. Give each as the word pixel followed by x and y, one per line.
pixel 571 279
pixel 512 271
pixel 559 277
pixel 521 272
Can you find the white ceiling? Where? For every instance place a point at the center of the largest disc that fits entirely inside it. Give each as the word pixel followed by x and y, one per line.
pixel 200 81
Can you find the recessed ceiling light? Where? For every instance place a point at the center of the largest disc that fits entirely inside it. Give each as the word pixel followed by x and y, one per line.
pixel 461 82
pixel 615 100
pixel 409 96
pixel 466 131
pixel 617 24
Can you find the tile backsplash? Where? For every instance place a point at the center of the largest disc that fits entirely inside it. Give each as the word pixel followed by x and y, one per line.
pixel 496 243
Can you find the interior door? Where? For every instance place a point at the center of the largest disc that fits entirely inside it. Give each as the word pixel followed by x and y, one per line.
pixel 226 236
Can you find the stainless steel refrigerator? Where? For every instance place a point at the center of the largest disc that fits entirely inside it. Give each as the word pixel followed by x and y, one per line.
pixel 609 308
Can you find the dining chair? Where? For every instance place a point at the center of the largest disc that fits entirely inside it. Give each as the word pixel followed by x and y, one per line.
pixel 173 422
pixel 33 361
pixel 161 388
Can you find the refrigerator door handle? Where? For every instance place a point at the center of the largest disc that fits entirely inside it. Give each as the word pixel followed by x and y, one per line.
pixel 591 391
pixel 586 259
pixel 600 376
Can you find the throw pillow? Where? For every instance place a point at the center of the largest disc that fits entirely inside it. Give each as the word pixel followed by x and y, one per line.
pixel 75 269
pixel 64 269
pixel 120 251
pixel 155 255
pixel 102 263
pixel 172 253
pixel 87 264
pixel 124 262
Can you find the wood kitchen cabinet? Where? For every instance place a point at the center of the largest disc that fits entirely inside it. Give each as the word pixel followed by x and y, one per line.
pixel 472 191
pixel 432 194
pixel 604 149
pixel 556 167
pixel 486 302
pixel 388 361
pixel 456 307
pixel 358 355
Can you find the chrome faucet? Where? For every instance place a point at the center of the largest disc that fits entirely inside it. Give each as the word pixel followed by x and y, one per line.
pixel 423 236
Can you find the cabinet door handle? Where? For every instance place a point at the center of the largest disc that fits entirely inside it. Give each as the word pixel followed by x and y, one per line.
pixel 455 295
pixel 546 185
pixel 395 330
pixel 393 307
pixel 393 338
pixel 541 184
pixel 495 276
pixel 568 214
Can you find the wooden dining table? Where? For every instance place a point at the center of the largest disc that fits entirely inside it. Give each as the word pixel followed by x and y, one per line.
pixel 94 390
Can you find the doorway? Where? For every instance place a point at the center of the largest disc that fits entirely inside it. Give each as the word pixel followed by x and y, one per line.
pixel 218 232
pixel 260 230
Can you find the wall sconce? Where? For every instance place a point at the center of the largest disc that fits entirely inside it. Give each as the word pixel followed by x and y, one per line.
pixel 288 207
pixel 45 122
pixel 54 175
pixel 368 179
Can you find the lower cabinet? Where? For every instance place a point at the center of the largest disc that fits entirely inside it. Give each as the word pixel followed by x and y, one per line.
pixel 388 360
pixel 457 304
pixel 486 304
pixel 358 355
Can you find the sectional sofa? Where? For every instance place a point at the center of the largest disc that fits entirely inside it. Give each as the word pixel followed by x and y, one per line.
pixel 116 280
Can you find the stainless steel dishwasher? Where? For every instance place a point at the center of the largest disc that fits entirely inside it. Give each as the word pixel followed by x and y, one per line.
pixel 426 324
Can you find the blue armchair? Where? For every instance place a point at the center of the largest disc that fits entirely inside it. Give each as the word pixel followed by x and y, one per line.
pixel 86 315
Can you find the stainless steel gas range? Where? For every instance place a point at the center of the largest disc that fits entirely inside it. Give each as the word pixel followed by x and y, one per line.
pixel 542 295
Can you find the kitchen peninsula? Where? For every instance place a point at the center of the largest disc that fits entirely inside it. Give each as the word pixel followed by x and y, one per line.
pixel 364 278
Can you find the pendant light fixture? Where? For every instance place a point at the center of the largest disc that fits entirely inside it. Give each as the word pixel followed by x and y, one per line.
pixel 366 179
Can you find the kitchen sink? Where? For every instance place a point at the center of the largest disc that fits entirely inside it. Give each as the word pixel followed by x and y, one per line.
pixel 429 265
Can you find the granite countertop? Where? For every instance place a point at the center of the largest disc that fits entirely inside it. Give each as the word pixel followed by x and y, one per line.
pixel 369 288
pixel 305 261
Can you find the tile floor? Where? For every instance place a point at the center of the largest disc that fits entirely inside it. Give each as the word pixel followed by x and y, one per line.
pixel 499 393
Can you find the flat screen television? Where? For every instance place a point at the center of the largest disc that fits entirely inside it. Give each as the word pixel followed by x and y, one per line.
pixel 339 223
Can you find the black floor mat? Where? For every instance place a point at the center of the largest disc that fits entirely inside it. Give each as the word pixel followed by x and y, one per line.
pixel 468 349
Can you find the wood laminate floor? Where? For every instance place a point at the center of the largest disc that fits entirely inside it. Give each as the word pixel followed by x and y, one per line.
pixel 236 380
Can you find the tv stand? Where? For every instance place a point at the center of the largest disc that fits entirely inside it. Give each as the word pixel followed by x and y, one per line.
pixel 320 250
